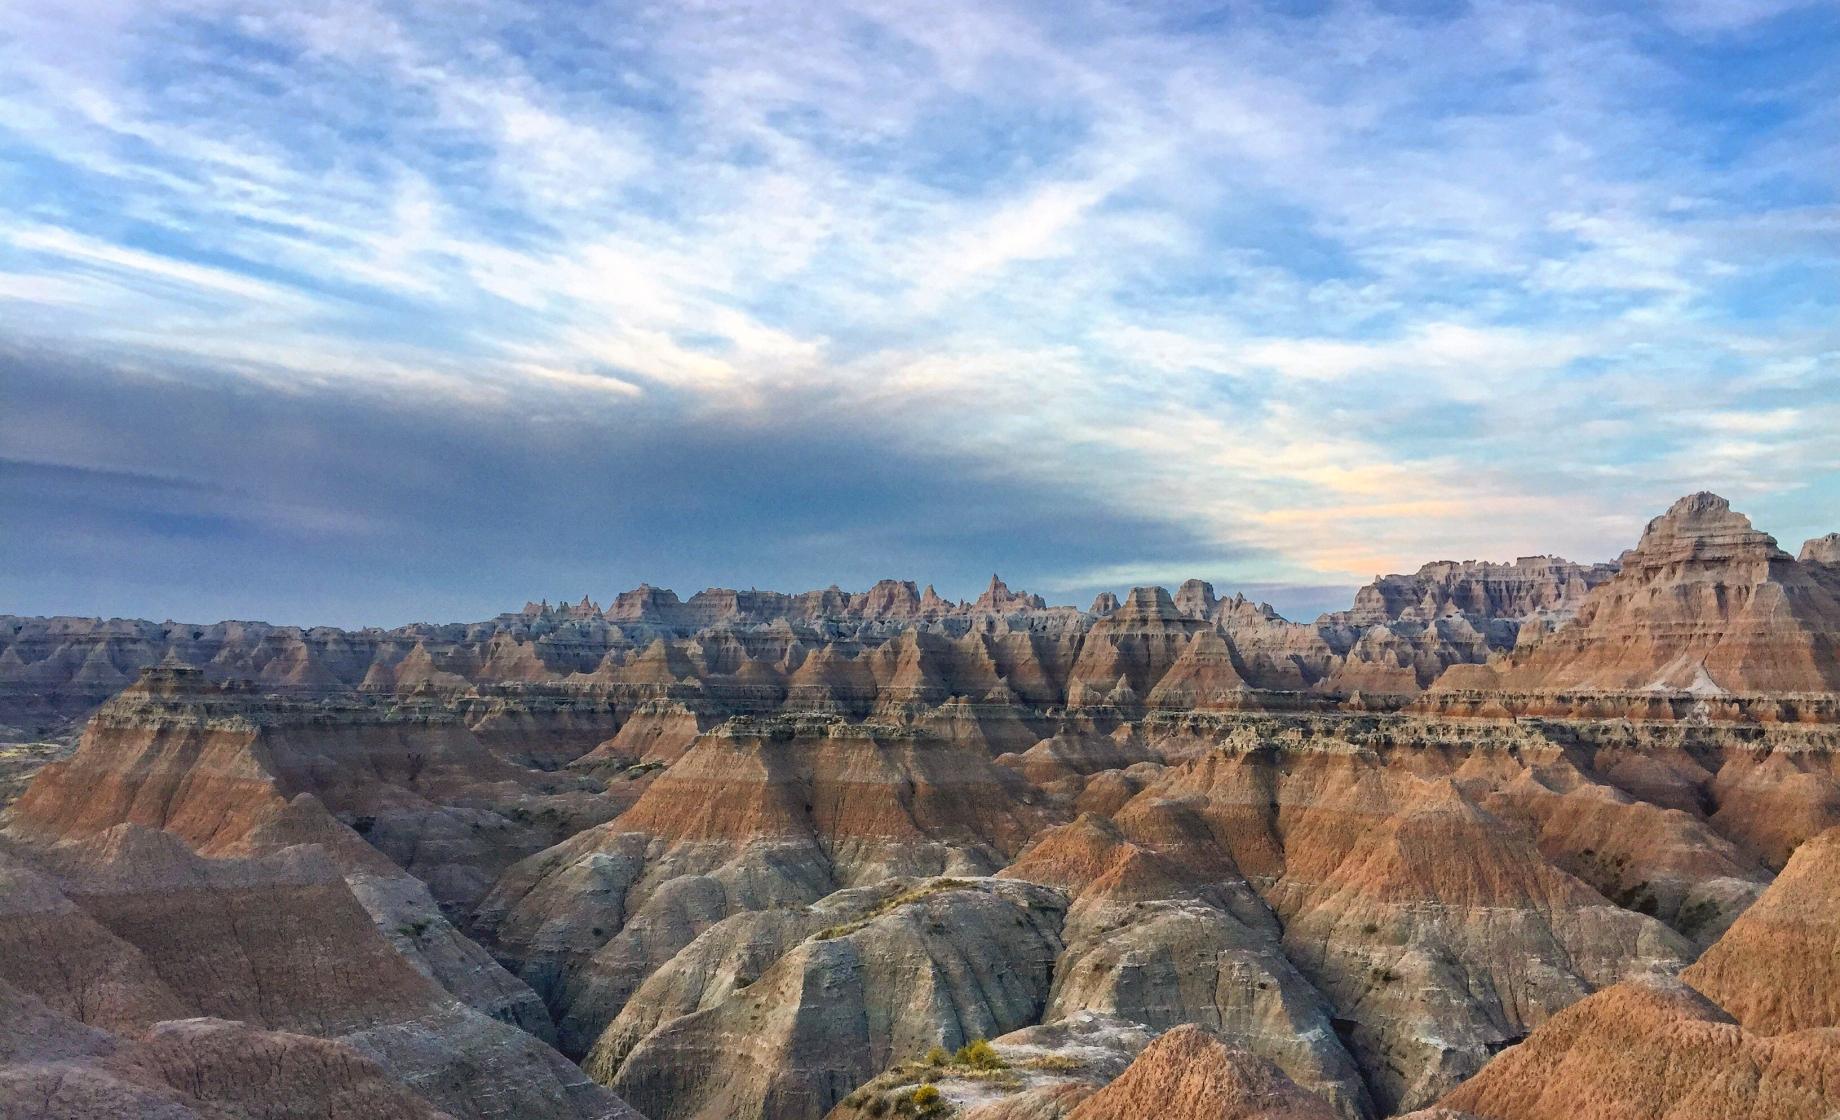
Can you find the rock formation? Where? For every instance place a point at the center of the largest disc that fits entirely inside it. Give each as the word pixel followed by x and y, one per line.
pixel 869 854
pixel 937 964
pixel 1777 969
pixel 1704 604
pixel 1189 1074
pixel 1652 1049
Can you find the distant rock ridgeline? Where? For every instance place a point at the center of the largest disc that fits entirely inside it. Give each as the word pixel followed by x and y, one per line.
pixel 890 599
pixel 1704 608
pixel 835 650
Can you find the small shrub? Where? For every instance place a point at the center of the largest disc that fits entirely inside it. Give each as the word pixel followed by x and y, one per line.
pixel 937 1056
pixel 979 1054
pixel 1053 1063
pixel 925 1101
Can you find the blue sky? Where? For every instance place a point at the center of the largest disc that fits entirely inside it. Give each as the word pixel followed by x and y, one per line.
pixel 357 311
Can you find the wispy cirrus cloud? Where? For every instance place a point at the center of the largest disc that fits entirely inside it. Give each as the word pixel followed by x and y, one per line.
pixel 1337 292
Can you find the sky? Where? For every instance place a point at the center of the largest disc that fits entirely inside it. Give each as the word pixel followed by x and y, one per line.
pixel 363 312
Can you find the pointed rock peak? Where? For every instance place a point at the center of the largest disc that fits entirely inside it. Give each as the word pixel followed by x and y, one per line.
pixel 1701 504
pixel 1822 550
pixel 133 854
pixel 1145 603
pixel 1207 642
pixel 1702 526
pixel 1104 603
pixel 997 594
pixel 998 597
pixel 891 597
pixel 1191 1073
pixel 1196 598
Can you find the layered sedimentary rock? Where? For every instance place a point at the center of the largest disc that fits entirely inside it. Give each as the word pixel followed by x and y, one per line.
pixel 130 928
pixel 1777 969
pixel 1821 550
pixel 939 964
pixel 1436 963
pixel 211 763
pixel 1190 1074
pixel 1655 1049
pixel 753 652
pixel 187 842
pixel 55 1068
pixel 1745 1032
pixel 1168 963
pixel 755 815
pixel 1704 604
pixel 756 855
pixel 1546 588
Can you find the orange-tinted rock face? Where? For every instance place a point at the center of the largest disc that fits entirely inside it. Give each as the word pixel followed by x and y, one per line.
pixel 1703 605
pixel 754 815
pixel 1189 1074
pixel 1777 969
pixel 1648 1050
pixel 210 763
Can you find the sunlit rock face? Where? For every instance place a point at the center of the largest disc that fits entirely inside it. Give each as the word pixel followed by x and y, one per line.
pixel 1502 840
pixel 1704 604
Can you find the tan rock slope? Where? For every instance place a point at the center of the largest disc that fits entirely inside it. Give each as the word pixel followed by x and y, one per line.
pixel 1656 1050
pixel 1189 1074
pixel 130 929
pixel 1777 969
pixel 1704 604
pixel 757 814
pixel 939 964
pixel 54 1068
pixel 1751 1037
pixel 180 865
